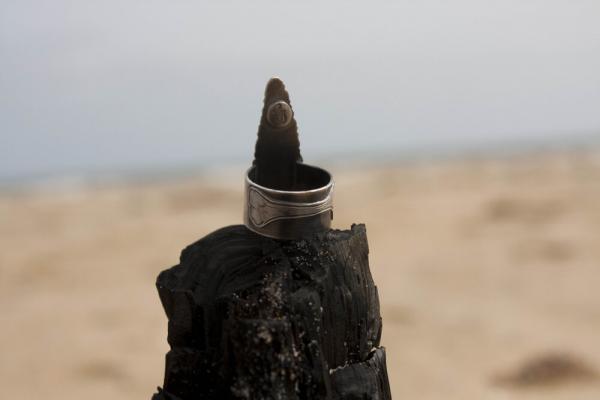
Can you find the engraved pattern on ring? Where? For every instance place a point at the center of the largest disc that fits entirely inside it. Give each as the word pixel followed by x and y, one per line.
pixel 263 210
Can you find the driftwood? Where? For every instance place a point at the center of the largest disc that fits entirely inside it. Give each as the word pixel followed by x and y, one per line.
pixel 256 318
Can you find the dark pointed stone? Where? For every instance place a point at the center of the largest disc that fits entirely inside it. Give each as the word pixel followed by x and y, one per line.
pixel 277 148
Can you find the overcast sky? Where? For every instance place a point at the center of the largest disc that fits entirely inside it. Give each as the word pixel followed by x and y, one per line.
pixel 151 84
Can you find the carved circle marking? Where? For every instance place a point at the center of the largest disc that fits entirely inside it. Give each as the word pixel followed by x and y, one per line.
pixel 279 114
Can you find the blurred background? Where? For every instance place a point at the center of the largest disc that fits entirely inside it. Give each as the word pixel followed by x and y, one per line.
pixel 465 134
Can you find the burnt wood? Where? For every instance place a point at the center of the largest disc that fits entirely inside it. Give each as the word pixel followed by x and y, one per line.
pixel 277 150
pixel 256 318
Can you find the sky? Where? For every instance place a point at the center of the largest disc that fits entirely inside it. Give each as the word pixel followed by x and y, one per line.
pixel 118 85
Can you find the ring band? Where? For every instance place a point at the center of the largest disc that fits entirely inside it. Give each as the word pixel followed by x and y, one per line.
pixel 289 215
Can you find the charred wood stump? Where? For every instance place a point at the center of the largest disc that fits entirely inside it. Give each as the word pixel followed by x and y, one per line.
pixel 257 318
pixel 295 317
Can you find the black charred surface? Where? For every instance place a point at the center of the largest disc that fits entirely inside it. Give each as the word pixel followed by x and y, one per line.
pixel 277 149
pixel 365 380
pixel 255 318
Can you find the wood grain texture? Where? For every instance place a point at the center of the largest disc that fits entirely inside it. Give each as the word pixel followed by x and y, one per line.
pixel 255 318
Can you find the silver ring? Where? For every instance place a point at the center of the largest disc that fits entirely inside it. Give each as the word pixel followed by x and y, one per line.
pixel 289 215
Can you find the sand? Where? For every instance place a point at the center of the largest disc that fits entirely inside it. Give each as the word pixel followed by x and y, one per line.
pixel 488 271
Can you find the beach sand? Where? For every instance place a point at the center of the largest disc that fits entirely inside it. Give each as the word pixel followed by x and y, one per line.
pixel 488 272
